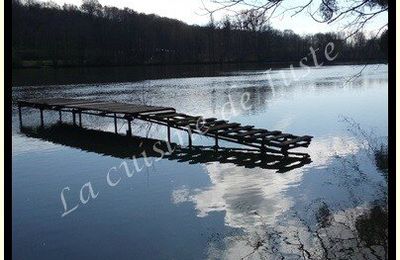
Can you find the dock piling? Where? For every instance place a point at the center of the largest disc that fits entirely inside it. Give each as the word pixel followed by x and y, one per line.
pixel 41 117
pixel 190 138
pixel 80 119
pixel 115 123
pixel 20 115
pixel 60 115
pixel 74 117
pixel 168 131
pixel 129 127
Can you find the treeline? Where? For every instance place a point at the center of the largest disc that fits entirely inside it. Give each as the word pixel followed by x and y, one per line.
pixel 45 34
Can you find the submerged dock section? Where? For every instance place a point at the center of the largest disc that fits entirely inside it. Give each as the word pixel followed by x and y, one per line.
pixel 266 140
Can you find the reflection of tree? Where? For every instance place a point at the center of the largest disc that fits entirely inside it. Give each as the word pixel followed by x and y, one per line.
pixel 325 230
pixel 372 227
pixel 360 232
pixel 381 159
pixel 366 228
pixel 377 148
pixel 324 216
pixel 352 234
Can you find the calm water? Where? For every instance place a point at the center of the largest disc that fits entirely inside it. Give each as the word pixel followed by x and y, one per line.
pixel 207 208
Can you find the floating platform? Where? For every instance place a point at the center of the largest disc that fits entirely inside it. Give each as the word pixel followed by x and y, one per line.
pixel 263 139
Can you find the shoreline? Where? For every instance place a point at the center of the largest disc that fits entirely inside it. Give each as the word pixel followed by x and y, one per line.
pixel 278 64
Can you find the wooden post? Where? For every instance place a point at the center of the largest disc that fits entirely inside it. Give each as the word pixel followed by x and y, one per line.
pixel 169 133
pixel 216 141
pixel 60 115
pixel 41 118
pixel 74 117
pixel 115 123
pixel 80 119
pixel 190 138
pixel 20 115
pixel 129 127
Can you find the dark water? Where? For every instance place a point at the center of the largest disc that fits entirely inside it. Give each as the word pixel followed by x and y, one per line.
pixel 198 205
pixel 72 75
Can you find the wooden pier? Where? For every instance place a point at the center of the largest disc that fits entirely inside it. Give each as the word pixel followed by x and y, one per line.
pixel 263 139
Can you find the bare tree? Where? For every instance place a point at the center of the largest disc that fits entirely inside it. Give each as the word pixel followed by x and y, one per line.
pixel 355 14
pixel 252 20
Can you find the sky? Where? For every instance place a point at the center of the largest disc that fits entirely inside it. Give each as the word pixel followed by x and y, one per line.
pixel 192 12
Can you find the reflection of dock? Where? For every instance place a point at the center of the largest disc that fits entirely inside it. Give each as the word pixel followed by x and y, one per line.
pixel 265 140
pixel 119 146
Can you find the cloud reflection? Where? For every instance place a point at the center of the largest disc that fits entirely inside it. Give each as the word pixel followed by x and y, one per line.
pixel 255 198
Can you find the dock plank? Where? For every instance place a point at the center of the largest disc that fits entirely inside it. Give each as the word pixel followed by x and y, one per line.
pixel 296 140
pixel 251 132
pixel 221 127
pixel 91 104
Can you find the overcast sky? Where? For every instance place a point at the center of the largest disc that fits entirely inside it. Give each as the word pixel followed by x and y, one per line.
pixel 191 12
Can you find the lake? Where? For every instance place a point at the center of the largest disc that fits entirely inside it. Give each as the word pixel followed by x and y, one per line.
pixel 205 208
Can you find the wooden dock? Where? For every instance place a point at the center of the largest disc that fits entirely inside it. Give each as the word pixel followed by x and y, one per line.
pixel 263 139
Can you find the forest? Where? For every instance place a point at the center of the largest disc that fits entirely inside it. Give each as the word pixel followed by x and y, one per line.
pixel 46 34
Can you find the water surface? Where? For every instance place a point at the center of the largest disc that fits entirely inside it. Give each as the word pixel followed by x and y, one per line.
pixel 193 209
